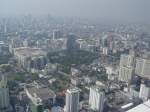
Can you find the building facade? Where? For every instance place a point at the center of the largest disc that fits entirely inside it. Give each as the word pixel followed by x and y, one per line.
pixel 31 59
pixel 72 100
pixel 144 92
pixel 4 94
pixel 143 67
pixel 126 70
pixel 96 99
pixel 40 97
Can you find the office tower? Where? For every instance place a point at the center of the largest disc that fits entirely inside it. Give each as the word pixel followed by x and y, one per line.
pixel 16 42
pixel 144 92
pixel 96 99
pixel 71 43
pixel 5 28
pixel 143 67
pixel 126 74
pixel 126 70
pixel 105 51
pixel 72 100
pixel 4 93
pixel 56 34
pixel 127 60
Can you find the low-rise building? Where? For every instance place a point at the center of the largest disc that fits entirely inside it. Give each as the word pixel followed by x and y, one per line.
pixel 41 97
pixel 31 59
pixel 144 107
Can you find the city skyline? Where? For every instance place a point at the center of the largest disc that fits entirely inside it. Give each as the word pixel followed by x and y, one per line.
pixel 74 56
pixel 114 10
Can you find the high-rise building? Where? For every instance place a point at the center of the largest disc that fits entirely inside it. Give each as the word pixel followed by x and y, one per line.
pixel 125 74
pixel 143 67
pixel 96 99
pixel 71 43
pixel 144 92
pixel 72 100
pixel 126 70
pixel 16 42
pixel 4 93
pixel 127 60
pixel 5 28
pixel 56 34
pixel 105 51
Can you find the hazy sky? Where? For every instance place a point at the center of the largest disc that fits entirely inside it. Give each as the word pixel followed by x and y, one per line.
pixel 95 9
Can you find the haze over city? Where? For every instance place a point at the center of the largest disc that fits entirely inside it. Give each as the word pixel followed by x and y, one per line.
pixel 129 10
pixel 74 55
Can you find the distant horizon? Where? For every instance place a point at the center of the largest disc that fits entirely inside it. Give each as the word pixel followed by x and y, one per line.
pixel 114 10
pixel 81 19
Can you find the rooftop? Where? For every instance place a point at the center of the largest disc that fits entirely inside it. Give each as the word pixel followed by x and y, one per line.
pixel 41 92
pixel 98 88
pixel 145 107
pixel 73 90
pixel 26 51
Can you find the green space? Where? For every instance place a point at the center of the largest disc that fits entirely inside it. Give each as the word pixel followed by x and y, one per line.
pixel 68 58
pixel 61 83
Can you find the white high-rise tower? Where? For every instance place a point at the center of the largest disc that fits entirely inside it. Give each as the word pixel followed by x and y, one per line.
pixel 126 71
pixel 4 93
pixel 96 99
pixel 72 100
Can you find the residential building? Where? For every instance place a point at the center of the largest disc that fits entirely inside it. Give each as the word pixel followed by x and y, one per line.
pixel 97 99
pixel 72 100
pixel 144 92
pixel 56 34
pixel 126 70
pixel 4 93
pixel 143 67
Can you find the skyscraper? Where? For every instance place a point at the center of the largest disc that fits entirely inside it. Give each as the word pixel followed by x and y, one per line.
pixel 143 67
pixel 96 99
pixel 126 74
pixel 127 60
pixel 126 70
pixel 71 43
pixel 4 93
pixel 56 34
pixel 72 100
pixel 144 92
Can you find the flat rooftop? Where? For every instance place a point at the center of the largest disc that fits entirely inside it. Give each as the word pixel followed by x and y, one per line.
pixel 26 51
pixel 145 107
pixel 41 92
pixel 98 88
pixel 73 90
